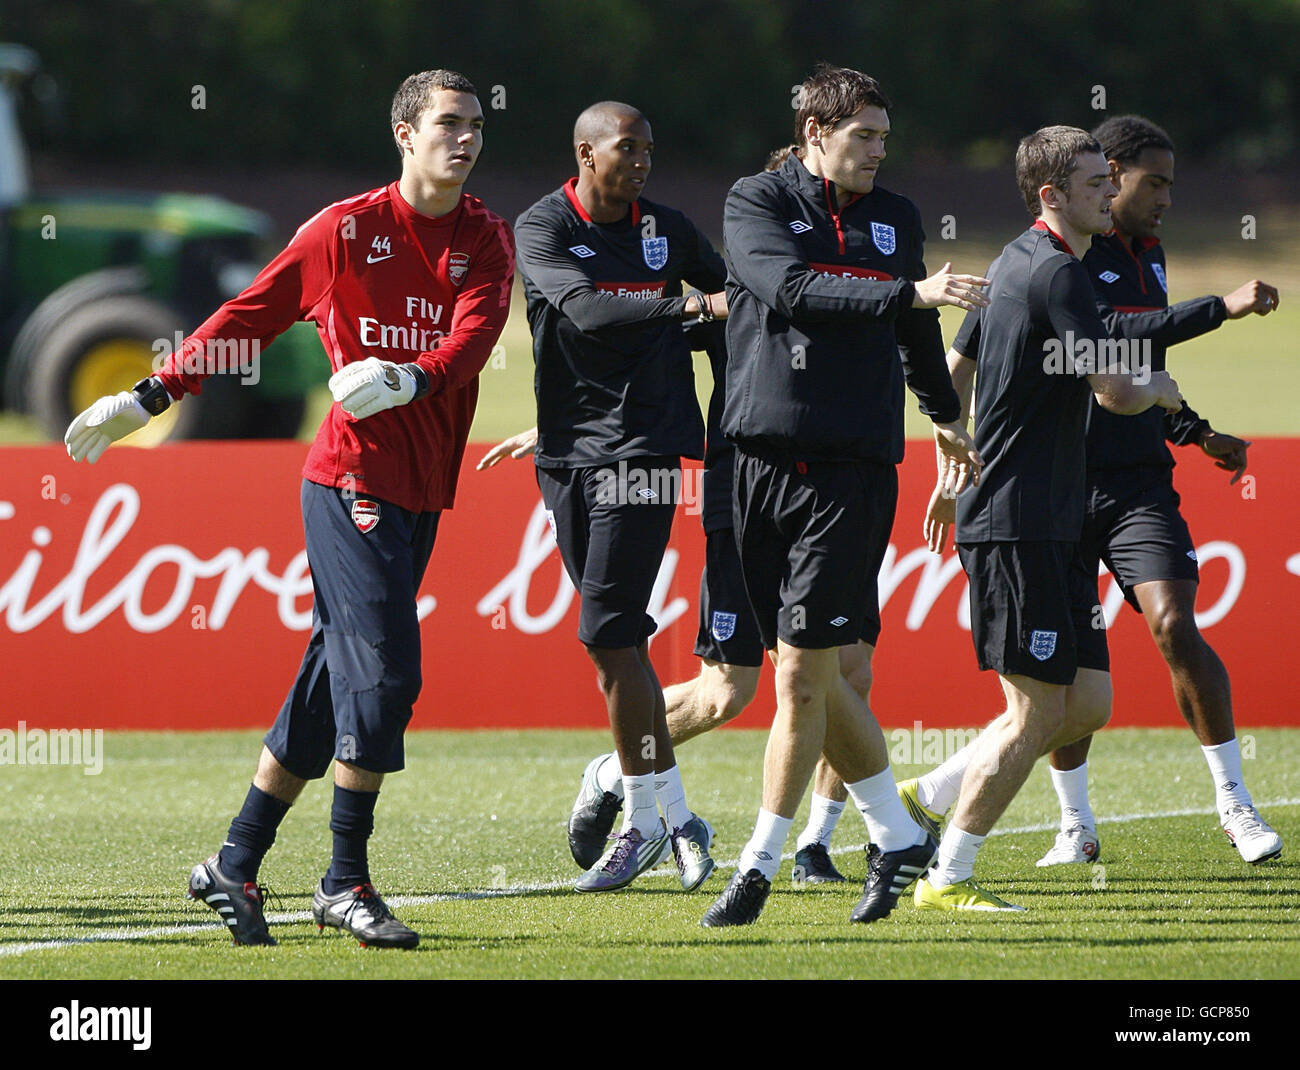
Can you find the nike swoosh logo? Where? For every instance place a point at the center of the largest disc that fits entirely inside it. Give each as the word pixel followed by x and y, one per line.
pixel 376 259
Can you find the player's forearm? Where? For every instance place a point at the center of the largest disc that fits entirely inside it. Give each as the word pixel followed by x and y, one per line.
pixel 591 310
pixel 921 348
pixel 1121 395
pixel 800 294
pixel 962 371
pixel 230 341
pixel 1169 326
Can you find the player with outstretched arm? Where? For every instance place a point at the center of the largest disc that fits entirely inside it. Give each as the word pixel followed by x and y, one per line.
pixel 1018 531
pixel 409 287
pixel 1132 520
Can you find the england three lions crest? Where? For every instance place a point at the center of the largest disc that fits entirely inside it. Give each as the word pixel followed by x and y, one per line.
pixel 655 252
pixel 884 237
pixel 723 625
pixel 1042 645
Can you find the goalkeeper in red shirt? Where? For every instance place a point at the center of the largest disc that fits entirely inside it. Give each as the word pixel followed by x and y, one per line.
pixel 409 287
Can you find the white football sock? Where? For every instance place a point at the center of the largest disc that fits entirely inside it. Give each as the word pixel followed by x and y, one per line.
pixel 763 851
pixel 1224 760
pixel 939 788
pixel 822 818
pixel 889 825
pixel 1072 793
pixel 609 775
pixel 639 809
pixel 672 797
pixel 957 851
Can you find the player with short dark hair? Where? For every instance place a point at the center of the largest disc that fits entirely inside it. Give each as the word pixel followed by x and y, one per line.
pixel 1132 520
pixel 827 290
pixel 418 272
pixel 1133 523
pixel 603 269
pixel 1018 530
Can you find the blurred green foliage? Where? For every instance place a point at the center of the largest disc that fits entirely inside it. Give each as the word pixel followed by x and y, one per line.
pixel 309 81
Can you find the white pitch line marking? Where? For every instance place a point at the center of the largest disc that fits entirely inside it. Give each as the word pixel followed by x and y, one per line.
pixel 289 917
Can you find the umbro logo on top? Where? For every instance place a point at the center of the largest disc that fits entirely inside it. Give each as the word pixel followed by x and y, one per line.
pixel 1108 277
pixel 582 251
pixel 799 226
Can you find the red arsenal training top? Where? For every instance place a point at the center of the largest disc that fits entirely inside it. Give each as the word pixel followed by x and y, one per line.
pixel 380 279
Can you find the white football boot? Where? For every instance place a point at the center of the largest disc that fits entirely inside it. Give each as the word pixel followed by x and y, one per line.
pixel 1251 834
pixel 1076 844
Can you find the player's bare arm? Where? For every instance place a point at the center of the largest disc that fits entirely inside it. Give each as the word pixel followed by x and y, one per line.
pixel 1120 393
pixel 941 512
pixel 962 372
pixel 707 306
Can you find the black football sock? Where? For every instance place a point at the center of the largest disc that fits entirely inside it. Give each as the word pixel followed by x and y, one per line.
pixel 352 819
pixel 251 834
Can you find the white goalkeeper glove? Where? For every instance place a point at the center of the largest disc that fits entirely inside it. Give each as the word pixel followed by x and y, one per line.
pixel 370 386
pixel 111 418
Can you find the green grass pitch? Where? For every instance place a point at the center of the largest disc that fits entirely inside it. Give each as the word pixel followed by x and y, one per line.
pixel 470 848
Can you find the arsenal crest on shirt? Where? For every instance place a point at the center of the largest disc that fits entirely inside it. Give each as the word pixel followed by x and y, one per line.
pixel 883 235
pixel 457 266
pixel 365 514
pixel 655 252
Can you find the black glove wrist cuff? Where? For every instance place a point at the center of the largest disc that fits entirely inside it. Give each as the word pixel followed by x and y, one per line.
pixel 421 378
pixel 151 394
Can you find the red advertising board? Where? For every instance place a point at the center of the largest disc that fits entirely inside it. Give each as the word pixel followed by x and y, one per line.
pixel 169 589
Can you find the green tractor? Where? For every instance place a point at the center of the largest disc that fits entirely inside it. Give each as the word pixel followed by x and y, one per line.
pixel 95 286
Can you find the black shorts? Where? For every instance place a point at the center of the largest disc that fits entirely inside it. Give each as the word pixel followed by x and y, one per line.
pixel 812 537
pixel 728 632
pixel 612 525
pixel 1133 524
pixel 360 675
pixel 1034 610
